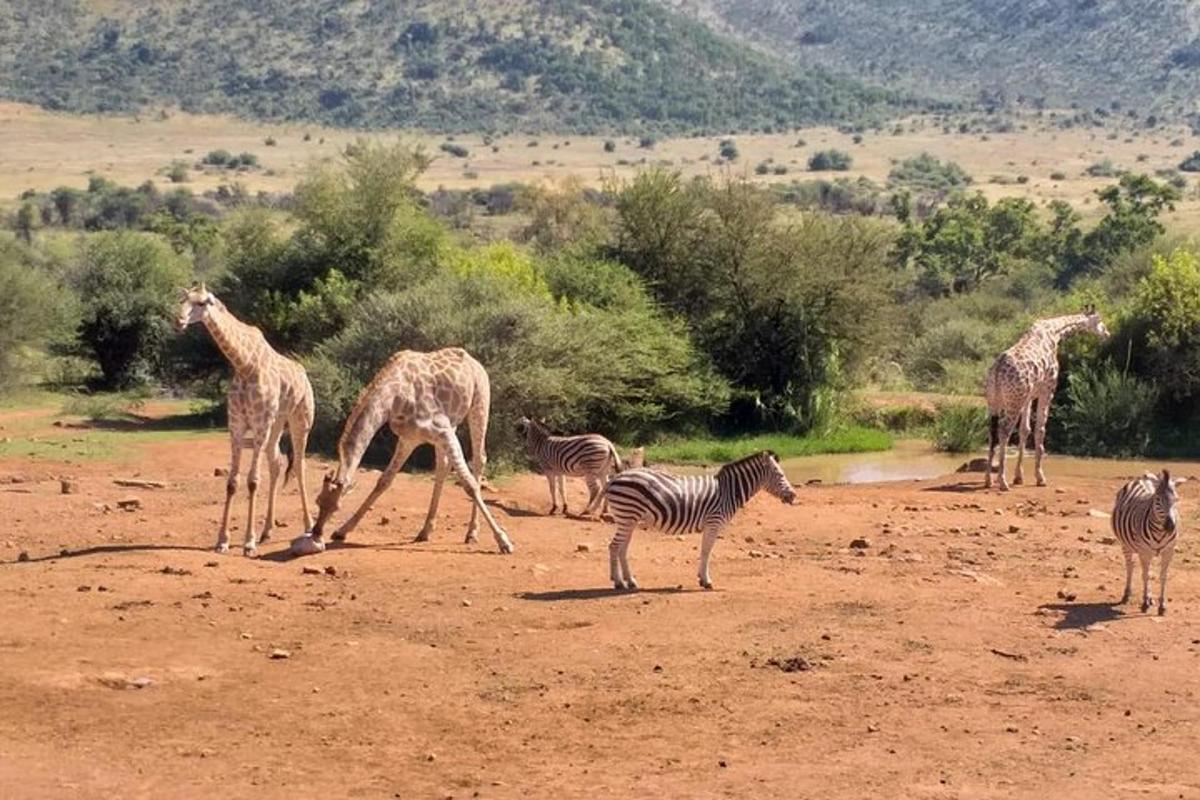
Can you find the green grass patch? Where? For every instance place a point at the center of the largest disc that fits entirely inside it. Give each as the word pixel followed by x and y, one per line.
pixel 852 439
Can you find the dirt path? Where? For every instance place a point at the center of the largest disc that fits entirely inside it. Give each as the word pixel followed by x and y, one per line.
pixel 938 662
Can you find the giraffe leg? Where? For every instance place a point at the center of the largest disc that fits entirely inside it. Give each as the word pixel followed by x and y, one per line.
pixel 439 481
pixel 454 450
pixel 1043 414
pixel 1022 438
pixel 235 461
pixel 1128 577
pixel 275 465
pixel 1144 556
pixel 616 548
pixel 1165 561
pixel 400 455
pixel 249 544
pixel 710 538
pixel 553 494
pixel 298 430
pixel 477 425
pixel 1006 429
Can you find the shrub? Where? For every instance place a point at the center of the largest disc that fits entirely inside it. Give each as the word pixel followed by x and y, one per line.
pixel 1106 412
pixel 728 150
pixel 1103 169
pixel 647 142
pixel 35 310
pixel 177 172
pixel 218 158
pixel 827 160
pixel 127 283
pixel 609 146
pixel 926 173
pixel 762 168
pixel 1191 163
pixel 270 141
pixel 960 427
pixel 1058 176
pixel 456 150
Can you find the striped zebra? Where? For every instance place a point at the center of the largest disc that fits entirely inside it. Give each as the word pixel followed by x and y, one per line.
pixel 679 504
pixel 1145 519
pixel 589 456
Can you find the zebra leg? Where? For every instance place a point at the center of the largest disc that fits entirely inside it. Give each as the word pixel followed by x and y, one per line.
pixel 594 489
pixel 1022 438
pixel 615 549
pixel 439 482
pixel 1165 559
pixel 630 582
pixel 562 491
pixel 1144 556
pixel 1039 435
pixel 706 546
pixel 1128 577
pixel 553 495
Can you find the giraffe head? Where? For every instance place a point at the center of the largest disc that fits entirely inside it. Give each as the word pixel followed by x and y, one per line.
pixel 775 481
pixel 194 306
pixel 1093 323
pixel 1166 495
pixel 333 489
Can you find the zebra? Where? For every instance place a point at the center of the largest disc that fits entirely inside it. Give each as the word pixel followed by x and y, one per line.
pixel 678 504
pixel 589 456
pixel 1145 519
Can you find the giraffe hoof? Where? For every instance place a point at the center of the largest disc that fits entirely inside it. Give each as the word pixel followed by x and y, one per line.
pixel 632 585
pixel 507 548
pixel 1162 611
pixel 422 536
pixel 706 584
pixel 266 537
pixel 250 552
pixel 222 547
pixel 1041 482
pixel 1018 481
pixel 1145 606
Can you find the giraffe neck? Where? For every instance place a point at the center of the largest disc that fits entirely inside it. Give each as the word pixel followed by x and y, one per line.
pixel 238 341
pixel 1058 328
pixel 365 420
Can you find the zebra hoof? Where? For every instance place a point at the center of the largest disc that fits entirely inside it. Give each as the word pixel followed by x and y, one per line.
pixel 631 585
pixel 1018 481
pixel 1145 606
pixel 1162 611
pixel 618 586
pixel 222 547
pixel 250 552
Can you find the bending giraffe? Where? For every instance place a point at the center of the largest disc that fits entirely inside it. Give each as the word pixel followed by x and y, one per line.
pixel 1025 372
pixel 422 397
pixel 268 393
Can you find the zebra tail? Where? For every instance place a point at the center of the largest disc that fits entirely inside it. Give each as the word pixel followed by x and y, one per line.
pixel 994 430
pixel 616 457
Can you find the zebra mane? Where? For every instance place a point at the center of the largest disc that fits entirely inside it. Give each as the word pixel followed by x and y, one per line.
pixel 744 460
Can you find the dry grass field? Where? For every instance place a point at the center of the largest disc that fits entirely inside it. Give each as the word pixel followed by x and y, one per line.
pixel 41 149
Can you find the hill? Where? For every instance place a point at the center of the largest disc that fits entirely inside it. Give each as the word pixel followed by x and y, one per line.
pixel 1145 56
pixel 456 65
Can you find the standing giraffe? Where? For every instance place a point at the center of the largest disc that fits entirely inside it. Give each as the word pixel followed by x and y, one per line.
pixel 267 394
pixel 1025 372
pixel 422 397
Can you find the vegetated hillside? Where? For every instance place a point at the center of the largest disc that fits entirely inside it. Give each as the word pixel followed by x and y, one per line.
pixel 1143 55
pixel 461 65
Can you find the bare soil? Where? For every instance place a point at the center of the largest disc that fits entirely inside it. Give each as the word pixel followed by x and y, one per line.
pixel 969 650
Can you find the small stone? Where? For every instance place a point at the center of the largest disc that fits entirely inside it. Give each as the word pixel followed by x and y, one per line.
pixel 431 757
pixel 311 570
pixel 220 472
pixel 141 683
pixel 385 520
pixel 583 547
pixel 1010 729
pixel 860 544
pixel 872 728
pixel 279 653
pixel 1014 529
pixel 466 603
pixel 331 570
pixel 68 487
pixel 129 504
pixel 722 764
pixel 757 554
pixel 22 556
pixel 247 635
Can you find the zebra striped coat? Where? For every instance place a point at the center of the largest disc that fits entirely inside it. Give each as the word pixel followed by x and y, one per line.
pixel 589 456
pixel 679 504
pixel 1145 519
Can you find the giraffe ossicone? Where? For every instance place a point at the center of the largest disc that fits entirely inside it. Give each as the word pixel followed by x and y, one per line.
pixel 1023 373
pixel 423 398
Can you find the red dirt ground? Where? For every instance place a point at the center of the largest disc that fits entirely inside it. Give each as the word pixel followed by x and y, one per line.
pixel 939 662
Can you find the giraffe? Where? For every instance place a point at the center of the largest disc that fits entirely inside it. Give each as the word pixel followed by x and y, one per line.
pixel 422 397
pixel 1025 372
pixel 267 394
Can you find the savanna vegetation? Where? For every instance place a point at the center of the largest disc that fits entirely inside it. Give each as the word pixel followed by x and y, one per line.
pixel 655 308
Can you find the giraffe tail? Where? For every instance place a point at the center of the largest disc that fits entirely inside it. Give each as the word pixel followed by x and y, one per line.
pixel 291 462
pixel 993 430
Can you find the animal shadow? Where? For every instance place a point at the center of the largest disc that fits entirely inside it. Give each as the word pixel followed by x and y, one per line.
pixel 594 594
pixel 1081 615
pixel 108 548
pixel 960 487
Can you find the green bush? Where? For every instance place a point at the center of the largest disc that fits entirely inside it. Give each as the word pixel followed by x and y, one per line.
pixel 728 150
pixel 127 283
pixel 456 150
pixel 1191 163
pixel 826 160
pixel 1106 412
pixel 36 311
pixel 926 173
pixel 960 427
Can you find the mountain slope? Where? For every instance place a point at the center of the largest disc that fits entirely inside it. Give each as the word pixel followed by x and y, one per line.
pixel 449 65
pixel 1092 52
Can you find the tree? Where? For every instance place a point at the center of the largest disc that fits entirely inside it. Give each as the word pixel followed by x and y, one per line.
pixel 127 283
pixel 35 310
pixel 826 160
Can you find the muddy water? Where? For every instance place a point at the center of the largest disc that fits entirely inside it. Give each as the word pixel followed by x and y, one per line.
pixel 917 460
